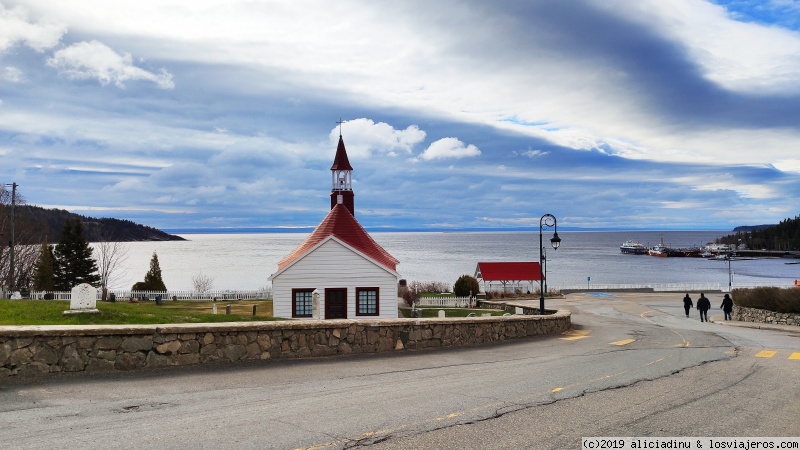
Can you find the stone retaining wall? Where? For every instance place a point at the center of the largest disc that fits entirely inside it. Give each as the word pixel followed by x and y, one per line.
pixel 37 350
pixel 764 316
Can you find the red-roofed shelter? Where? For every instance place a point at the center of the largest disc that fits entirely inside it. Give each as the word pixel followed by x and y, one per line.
pixel 508 274
pixel 338 271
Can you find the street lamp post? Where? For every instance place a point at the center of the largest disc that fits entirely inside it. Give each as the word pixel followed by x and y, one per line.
pixel 547 221
pixel 544 267
pixel 730 274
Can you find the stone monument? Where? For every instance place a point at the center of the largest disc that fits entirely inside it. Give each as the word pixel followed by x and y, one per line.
pixel 315 312
pixel 83 300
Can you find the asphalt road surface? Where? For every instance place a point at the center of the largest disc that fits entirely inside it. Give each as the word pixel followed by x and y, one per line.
pixel 634 366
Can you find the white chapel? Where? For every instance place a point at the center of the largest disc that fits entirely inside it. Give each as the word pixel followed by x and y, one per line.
pixel 339 271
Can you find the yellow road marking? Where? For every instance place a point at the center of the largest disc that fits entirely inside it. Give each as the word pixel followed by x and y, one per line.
pixel 766 354
pixel 449 416
pixel 623 342
pixel 574 335
pixel 557 389
pixel 795 355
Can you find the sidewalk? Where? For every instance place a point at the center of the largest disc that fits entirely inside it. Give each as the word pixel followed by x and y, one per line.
pixel 556 303
pixel 761 326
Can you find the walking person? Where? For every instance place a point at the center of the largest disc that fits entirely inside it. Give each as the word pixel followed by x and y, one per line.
pixel 727 306
pixel 703 305
pixel 687 304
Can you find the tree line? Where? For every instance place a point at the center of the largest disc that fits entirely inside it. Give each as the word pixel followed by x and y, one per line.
pixel 62 266
pixel 44 223
pixel 784 236
pixel 29 262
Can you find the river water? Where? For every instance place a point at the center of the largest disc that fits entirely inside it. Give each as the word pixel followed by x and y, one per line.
pixel 245 261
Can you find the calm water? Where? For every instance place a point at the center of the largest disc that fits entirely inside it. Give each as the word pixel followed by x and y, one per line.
pixel 245 261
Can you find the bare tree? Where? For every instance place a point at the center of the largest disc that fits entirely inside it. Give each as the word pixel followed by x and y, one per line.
pixel 22 235
pixel 202 283
pixel 110 256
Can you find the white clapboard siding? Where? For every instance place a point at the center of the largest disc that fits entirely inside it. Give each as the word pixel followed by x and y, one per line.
pixel 334 265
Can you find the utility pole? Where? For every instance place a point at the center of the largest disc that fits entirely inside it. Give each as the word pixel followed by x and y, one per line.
pixel 13 235
pixel 12 242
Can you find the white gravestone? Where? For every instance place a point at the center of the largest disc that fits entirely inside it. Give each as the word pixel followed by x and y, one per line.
pixel 315 304
pixel 83 299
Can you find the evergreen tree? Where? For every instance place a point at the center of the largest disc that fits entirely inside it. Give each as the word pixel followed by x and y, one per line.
pixel 152 280
pixel 44 277
pixel 74 258
pixel 466 285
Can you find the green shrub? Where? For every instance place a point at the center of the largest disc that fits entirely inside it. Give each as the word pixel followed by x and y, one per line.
pixel 769 298
pixel 466 285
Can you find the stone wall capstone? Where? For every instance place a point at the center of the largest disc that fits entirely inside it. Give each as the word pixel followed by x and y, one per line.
pixel 28 351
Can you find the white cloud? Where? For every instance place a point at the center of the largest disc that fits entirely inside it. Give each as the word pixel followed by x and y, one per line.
pixel 533 153
pixel 728 182
pixel 748 57
pixel 261 78
pixel 12 75
pixel 363 137
pixel 418 55
pixel 94 59
pixel 15 27
pixel 448 148
pixel 788 165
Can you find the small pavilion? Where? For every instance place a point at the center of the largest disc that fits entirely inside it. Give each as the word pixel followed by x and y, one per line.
pixel 508 275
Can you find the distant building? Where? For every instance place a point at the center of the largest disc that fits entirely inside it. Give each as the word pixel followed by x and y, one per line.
pixel 339 264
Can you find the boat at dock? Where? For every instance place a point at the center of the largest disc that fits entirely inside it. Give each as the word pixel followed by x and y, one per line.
pixel 659 251
pixel 633 248
pixel 663 251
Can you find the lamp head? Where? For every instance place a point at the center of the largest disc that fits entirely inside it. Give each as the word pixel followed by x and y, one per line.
pixel 555 241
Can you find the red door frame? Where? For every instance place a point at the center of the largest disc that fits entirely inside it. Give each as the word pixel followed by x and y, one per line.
pixel 328 292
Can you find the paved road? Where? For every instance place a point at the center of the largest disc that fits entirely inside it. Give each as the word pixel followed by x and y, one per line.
pixel 634 366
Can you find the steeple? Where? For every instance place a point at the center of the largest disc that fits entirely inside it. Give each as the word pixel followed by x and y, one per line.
pixel 342 179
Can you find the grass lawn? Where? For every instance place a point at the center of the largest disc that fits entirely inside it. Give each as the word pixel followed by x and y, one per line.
pixel 433 311
pixel 50 312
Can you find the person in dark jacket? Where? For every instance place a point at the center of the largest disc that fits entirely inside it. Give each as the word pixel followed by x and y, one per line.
pixel 727 306
pixel 687 304
pixel 703 305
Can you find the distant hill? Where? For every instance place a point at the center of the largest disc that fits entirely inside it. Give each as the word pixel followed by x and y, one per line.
pixel 48 223
pixel 748 228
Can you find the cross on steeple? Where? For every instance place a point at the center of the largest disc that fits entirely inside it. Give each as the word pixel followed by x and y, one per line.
pixel 340 122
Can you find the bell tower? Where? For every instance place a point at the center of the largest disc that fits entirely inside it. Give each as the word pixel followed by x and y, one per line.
pixel 342 179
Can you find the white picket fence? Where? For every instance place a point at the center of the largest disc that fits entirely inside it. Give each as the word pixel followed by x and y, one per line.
pixel 124 295
pixel 453 302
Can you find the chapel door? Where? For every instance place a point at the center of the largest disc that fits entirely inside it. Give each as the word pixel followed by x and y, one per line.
pixel 336 303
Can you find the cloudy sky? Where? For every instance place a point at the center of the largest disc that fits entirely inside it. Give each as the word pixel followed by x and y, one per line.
pixel 222 113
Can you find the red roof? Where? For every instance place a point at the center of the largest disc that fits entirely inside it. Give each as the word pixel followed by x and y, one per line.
pixel 342 225
pixel 508 271
pixel 340 162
